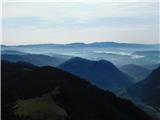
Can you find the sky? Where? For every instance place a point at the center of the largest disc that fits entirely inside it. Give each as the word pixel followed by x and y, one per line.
pixel 68 22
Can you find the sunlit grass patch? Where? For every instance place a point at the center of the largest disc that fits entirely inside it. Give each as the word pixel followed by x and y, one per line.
pixel 39 107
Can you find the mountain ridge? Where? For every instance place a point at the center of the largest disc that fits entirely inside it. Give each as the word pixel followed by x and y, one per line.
pixel 94 44
pixel 101 73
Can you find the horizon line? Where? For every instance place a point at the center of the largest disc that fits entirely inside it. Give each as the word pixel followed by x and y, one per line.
pixel 75 43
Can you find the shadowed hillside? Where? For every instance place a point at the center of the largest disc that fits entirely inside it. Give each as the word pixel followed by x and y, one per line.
pixel 101 73
pixel 71 98
pixel 148 90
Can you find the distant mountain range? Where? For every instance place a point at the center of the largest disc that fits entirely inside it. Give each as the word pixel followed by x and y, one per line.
pixel 47 93
pixel 95 44
pixel 148 90
pixel 101 73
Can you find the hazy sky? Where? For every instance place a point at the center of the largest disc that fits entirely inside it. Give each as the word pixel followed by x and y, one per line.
pixel 46 22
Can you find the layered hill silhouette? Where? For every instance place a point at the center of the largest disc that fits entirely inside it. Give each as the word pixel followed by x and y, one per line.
pixel 12 52
pixel 136 71
pixel 36 59
pixel 94 44
pixel 148 90
pixel 43 93
pixel 147 53
pixel 101 73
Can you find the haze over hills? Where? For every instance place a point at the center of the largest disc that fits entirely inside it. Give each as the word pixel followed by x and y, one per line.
pixel 12 52
pixel 148 53
pixel 101 73
pixel 29 90
pixel 152 66
pixel 118 53
pixel 136 71
pixel 36 59
pixel 148 90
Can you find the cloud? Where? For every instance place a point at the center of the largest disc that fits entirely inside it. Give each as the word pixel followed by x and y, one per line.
pixel 80 11
pixel 74 22
pixel 73 13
